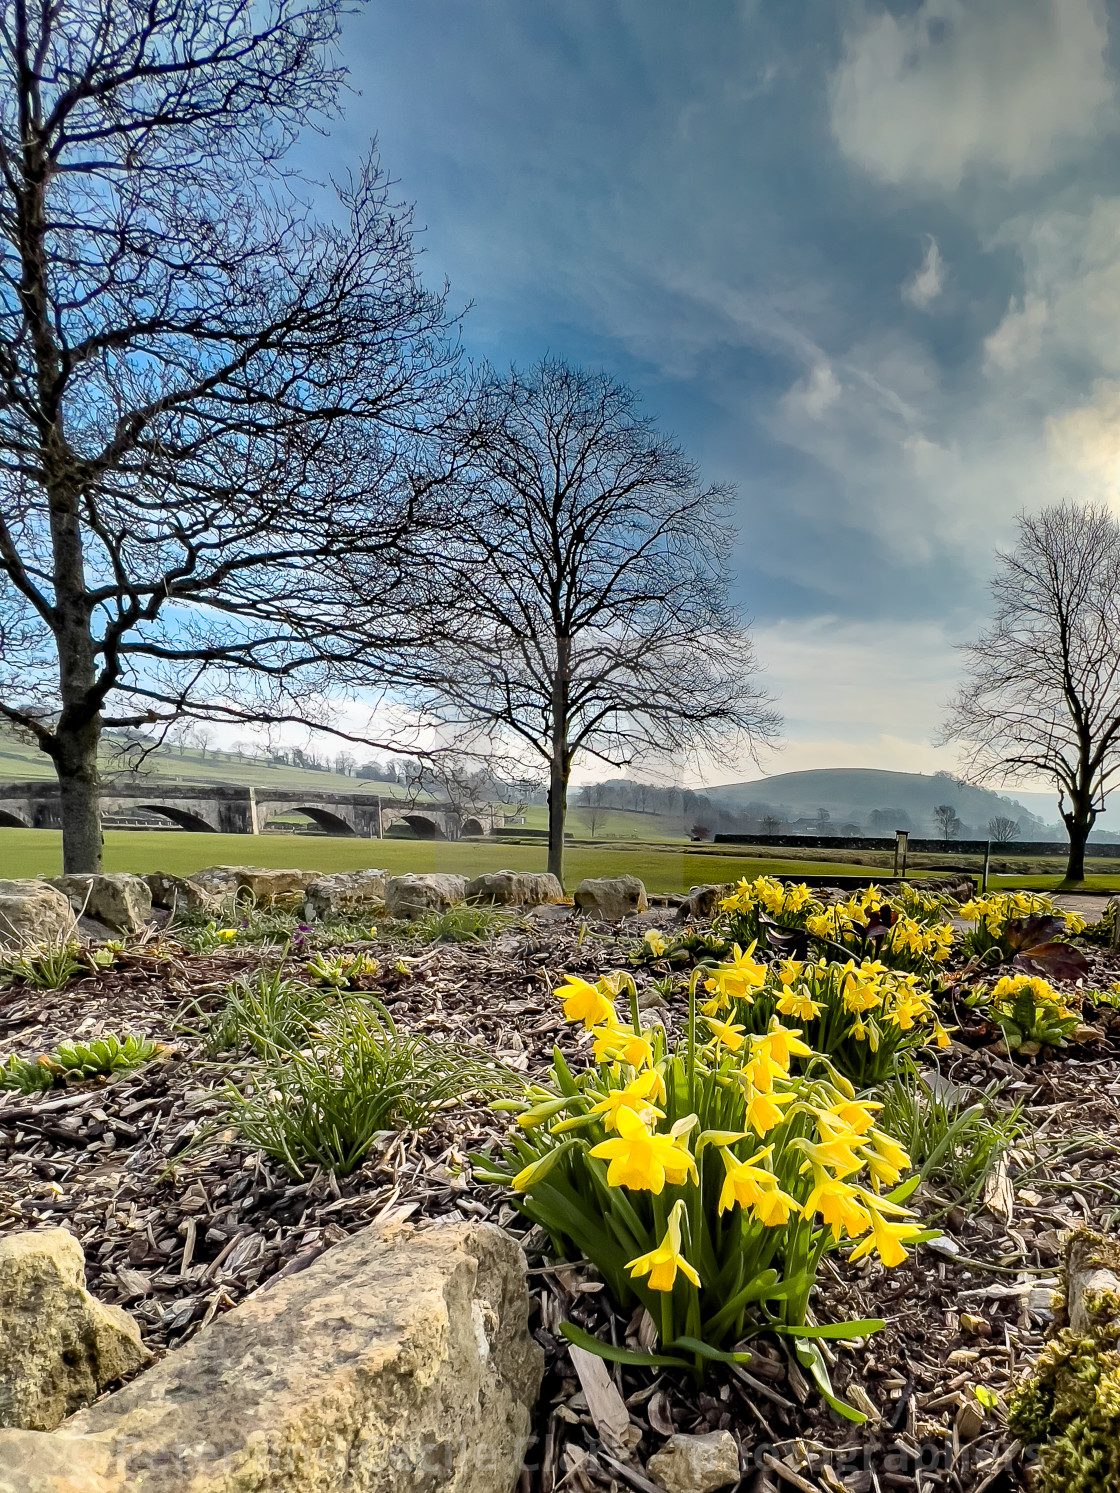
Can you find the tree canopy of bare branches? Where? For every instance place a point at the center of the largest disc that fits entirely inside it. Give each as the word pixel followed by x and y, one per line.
pixel 1042 694
pixel 584 607
pixel 206 391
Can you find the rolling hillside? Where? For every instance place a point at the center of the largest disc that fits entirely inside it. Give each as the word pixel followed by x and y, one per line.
pixel 852 793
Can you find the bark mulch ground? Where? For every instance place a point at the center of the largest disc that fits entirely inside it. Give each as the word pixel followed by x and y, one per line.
pixel 180 1221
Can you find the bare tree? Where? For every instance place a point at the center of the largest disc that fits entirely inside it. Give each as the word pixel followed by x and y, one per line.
pixel 586 607
pixel 947 821
pixel 771 825
pixel 205 392
pixel 1042 695
pixel 1002 830
pixel 593 815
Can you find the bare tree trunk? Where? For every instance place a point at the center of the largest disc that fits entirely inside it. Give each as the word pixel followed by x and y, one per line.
pixel 75 760
pixel 560 763
pixel 1079 821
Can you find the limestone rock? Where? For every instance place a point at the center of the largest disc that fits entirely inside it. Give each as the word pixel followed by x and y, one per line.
pixel 346 894
pixel 703 901
pixel 399 1362
pixel 179 893
pixel 258 884
pixel 121 901
pixel 696 1464
pixel 515 888
pixel 412 896
pixel 33 911
pixel 59 1346
pixel 1092 1282
pixel 611 898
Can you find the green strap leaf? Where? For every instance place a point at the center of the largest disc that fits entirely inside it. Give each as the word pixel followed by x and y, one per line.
pixel 862 1327
pixel 612 1354
pixel 809 1356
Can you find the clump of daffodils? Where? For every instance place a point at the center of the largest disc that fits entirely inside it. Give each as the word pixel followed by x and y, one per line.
pixel 992 913
pixel 706 1179
pixel 860 1016
pixel 786 904
pixel 1031 1013
pixel 907 930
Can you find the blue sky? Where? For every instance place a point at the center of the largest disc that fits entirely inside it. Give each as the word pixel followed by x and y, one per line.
pixel 863 260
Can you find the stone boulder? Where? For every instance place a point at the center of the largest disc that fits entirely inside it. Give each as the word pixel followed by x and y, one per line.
pixel 399 1362
pixel 412 896
pixel 696 1464
pixel 515 888
pixel 59 1346
pixel 121 901
pixel 348 894
pixel 702 902
pixel 262 885
pixel 610 898
pixel 33 911
pixel 179 894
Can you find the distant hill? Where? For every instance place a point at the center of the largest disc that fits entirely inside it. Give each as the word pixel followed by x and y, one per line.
pixel 851 795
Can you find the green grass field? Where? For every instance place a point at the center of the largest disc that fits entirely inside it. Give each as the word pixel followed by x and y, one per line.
pixel 35 852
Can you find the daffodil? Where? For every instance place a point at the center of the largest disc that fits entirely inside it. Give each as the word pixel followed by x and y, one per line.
pixel 941 1034
pixel 763 1109
pixel 854 1114
pixel 736 977
pixel 790 970
pixel 622 1044
pixel 798 1003
pixel 834 1154
pixel 887 1239
pixel 654 943
pixel 839 1206
pixel 726 1034
pixel 745 1181
pixel 227 935
pixel 774 1208
pixel 642 1160
pixel 585 1002
pixel 637 1095
pixel 780 1044
pixel 661 1264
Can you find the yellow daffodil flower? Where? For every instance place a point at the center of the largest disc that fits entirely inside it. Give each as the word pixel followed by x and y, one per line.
pixel 726 1034
pixel 790 970
pixel 798 1004
pixel 887 1239
pixel 838 1204
pixel 854 1114
pixel 584 1002
pixel 621 1044
pixel 835 1154
pixel 745 1181
pixel 780 1044
pixel 227 935
pixel 763 1109
pixel 941 1034
pixel 641 1160
pixel 774 1208
pixel 637 1095
pixel 661 1264
pixel 655 943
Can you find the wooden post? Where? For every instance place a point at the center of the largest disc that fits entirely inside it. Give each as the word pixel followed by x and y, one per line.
pixel 987 863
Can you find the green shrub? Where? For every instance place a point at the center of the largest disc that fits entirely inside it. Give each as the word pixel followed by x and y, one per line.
pixel 44 966
pixel 462 925
pixel 271 1012
pixel 954 1142
pixel 325 1105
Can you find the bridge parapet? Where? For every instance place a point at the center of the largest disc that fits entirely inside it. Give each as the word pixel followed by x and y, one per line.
pixel 234 809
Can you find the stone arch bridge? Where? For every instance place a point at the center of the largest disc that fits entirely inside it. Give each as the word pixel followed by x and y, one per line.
pixel 246 811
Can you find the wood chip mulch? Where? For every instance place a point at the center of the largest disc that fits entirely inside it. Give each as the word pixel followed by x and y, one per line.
pixel 180 1222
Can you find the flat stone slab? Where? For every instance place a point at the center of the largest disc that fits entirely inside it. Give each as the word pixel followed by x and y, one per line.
pixel 400 1360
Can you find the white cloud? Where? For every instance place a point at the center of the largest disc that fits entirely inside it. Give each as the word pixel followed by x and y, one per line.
pixel 815 393
pixel 928 280
pixel 1009 84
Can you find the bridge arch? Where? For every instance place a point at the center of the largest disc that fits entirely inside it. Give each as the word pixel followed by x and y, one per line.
pixel 472 827
pixel 332 824
pixel 12 821
pixel 423 827
pixel 182 817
